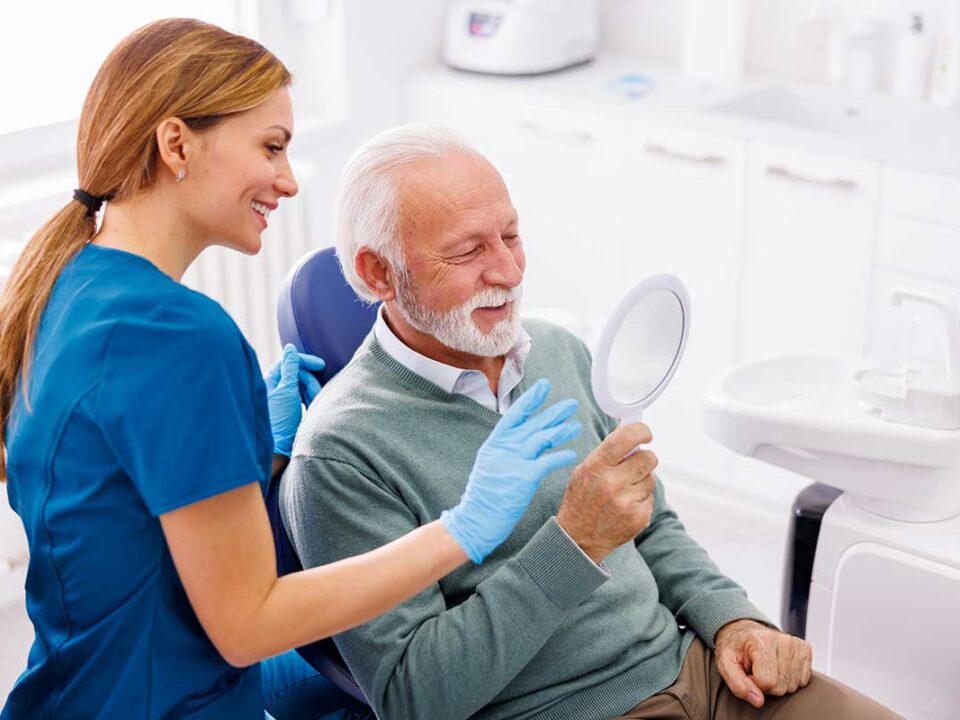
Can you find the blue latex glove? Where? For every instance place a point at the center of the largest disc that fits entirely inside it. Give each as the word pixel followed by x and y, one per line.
pixel 290 384
pixel 509 468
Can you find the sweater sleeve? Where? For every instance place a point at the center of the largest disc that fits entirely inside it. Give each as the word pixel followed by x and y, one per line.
pixel 690 585
pixel 424 655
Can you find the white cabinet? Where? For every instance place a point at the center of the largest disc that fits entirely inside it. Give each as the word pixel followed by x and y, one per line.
pixel 811 223
pixel 686 204
pixel 922 195
pixel 563 168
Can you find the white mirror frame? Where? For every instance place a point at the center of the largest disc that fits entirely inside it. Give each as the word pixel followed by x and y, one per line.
pixel 633 412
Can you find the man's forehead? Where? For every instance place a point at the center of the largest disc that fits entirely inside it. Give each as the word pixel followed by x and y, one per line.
pixel 451 175
pixel 454 188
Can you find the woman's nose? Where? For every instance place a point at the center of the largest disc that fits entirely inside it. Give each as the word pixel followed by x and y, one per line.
pixel 285 183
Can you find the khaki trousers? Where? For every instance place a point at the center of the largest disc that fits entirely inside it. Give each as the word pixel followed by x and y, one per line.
pixel 701 694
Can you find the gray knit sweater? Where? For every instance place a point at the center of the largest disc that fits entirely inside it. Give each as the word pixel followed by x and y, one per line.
pixel 537 630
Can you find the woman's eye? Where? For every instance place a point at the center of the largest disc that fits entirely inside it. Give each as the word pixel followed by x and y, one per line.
pixel 511 239
pixel 274 148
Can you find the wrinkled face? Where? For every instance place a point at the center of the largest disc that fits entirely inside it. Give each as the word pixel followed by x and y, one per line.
pixel 241 173
pixel 464 258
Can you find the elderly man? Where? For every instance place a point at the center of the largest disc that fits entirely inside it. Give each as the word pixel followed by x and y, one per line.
pixel 599 604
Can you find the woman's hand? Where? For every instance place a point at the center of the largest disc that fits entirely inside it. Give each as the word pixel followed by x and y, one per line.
pixel 509 468
pixel 290 384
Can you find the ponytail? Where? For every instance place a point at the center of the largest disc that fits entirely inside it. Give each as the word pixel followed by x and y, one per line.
pixel 25 297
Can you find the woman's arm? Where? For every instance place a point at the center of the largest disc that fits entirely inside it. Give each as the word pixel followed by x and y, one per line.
pixel 223 551
pixel 223 546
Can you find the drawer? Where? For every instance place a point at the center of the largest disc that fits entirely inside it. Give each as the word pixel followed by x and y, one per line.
pixel 927 196
pixel 919 248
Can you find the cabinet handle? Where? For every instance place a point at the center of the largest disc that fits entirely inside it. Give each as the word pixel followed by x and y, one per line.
pixel 675 155
pixel 788 174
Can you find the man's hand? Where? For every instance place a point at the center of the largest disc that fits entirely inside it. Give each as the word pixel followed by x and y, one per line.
pixel 754 659
pixel 609 500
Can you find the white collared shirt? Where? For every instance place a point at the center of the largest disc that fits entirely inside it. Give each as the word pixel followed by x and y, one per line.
pixel 454 380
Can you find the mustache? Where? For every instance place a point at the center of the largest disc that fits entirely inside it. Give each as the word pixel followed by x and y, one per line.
pixel 492 297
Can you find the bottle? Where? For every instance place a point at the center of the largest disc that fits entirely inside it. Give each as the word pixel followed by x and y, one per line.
pixel 863 55
pixel 945 68
pixel 838 46
pixel 911 69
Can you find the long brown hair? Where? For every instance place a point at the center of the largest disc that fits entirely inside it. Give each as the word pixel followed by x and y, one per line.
pixel 170 68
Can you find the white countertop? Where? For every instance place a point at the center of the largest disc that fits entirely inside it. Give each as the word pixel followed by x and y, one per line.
pixel 884 129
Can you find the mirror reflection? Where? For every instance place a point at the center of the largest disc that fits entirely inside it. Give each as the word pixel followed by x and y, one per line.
pixel 645 347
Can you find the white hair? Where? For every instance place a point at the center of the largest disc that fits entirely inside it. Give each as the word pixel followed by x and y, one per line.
pixel 368 205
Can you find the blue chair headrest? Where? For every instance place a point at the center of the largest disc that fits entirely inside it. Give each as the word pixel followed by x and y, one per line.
pixel 321 314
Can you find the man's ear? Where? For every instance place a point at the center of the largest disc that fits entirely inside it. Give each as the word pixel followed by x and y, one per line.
pixel 376 274
pixel 176 144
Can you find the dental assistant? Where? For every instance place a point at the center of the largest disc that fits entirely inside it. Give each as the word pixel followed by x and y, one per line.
pixel 138 434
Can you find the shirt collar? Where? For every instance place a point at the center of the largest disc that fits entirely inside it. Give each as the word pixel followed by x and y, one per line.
pixel 440 374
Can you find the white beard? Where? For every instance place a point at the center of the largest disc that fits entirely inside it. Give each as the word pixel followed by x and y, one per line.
pixel 455 327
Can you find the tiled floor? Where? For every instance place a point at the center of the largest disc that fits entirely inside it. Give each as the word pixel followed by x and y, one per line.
pixel 746 543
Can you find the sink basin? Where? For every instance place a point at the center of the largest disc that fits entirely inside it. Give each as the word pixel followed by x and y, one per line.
pixel 798 412
pixel 823 109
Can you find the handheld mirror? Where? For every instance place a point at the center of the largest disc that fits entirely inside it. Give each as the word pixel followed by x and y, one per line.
pixel 641 347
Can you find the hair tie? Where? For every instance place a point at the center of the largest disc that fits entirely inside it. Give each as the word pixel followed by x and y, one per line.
pixel 92 202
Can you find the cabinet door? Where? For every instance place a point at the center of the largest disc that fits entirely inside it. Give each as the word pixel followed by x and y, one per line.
pixel 810 235
pixel 563 169
pixel 686 217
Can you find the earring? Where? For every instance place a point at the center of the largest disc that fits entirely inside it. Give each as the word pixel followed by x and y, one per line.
pixel 181 174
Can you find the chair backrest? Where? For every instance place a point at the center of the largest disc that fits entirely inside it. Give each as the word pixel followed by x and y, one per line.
pixel 320 314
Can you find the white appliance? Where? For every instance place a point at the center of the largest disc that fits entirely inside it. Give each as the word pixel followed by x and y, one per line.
pixel 520 37
pixel 883 600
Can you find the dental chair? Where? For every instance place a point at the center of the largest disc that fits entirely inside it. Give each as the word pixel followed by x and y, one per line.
pixel 320 314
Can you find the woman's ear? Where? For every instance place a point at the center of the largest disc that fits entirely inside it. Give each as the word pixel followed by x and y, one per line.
pixel 376 274
pixel 176 144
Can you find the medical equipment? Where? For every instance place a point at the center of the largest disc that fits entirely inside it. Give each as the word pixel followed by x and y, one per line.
pixel 641 347
pixel 913 394
pixel 873 580
pixel 520 37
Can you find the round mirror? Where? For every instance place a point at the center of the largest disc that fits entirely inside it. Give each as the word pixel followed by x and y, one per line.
pixel 641 346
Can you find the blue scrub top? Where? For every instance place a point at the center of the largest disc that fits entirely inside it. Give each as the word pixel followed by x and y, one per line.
pixel 144 397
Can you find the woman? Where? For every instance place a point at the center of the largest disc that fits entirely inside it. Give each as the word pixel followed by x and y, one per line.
pixel 138 434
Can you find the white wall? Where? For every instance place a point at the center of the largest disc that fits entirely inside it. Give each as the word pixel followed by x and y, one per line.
pixel 385 42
